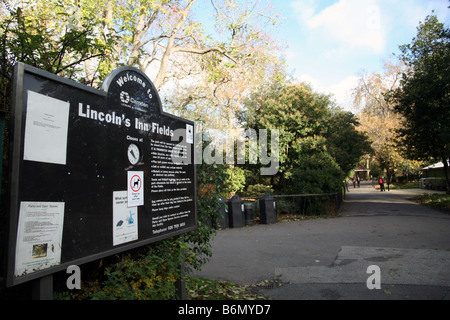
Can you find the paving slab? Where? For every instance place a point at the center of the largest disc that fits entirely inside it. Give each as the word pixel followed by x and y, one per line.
pixel 397 266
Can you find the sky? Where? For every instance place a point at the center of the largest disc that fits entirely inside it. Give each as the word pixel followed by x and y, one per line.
pixel 330 43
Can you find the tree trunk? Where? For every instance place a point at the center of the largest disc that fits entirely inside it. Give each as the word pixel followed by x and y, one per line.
pixel 159 80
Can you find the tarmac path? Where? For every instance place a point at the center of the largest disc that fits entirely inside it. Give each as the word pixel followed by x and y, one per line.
pixel 328 259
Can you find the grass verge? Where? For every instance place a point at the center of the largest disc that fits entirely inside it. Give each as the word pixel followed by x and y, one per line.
pixel 405 185
pixel 435 201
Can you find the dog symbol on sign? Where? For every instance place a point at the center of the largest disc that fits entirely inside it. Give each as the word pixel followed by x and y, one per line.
pixel 135 183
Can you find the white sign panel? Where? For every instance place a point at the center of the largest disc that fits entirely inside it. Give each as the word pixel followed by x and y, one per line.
pixel 46 127
pixel 39 236
pixel 125 219
pixel 189 134
pixel 135 188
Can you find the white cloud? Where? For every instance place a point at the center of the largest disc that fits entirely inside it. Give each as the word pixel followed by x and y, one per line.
pixel 304 8
pixel 341 90
pixel 353 24
pixel 315 83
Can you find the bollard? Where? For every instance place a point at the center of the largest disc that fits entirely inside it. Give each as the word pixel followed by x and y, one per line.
pixel 223 221
pixel 267 209
pixel 236 212
pixel 248 213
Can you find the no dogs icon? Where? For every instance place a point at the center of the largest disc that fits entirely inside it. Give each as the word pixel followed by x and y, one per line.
pixel 135 183
pixel 135 188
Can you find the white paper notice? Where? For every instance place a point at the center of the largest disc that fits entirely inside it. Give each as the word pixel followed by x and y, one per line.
pixel 39 236
pixel 189 134
pixel 46 127
pixel 125 219
pixel 135 188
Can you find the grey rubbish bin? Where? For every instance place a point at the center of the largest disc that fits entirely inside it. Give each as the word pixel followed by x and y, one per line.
pixel 236 212
pixel 248 214
pixel 267 209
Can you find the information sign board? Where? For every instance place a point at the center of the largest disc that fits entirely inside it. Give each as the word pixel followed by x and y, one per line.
pixel 92 171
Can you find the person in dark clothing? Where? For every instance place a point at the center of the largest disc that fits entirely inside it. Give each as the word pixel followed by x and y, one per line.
pixel 381 183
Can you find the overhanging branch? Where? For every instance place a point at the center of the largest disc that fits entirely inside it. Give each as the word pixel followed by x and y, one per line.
pixel 205 51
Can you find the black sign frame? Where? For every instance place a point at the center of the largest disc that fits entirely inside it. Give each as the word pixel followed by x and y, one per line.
pixel 128 111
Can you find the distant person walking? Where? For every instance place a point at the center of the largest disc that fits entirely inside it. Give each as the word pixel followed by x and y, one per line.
pixel 381 183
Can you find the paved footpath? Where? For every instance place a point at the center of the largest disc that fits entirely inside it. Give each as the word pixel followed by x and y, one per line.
pixel 328 258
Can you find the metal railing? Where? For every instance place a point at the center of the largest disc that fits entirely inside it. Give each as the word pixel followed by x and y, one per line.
pixel 318 204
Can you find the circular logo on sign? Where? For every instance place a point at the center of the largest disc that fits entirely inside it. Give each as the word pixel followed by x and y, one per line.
pixel 135 183
pixel 124 97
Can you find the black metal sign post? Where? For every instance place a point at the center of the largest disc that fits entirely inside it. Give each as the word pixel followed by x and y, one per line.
pixel 42 288
pixel 93 171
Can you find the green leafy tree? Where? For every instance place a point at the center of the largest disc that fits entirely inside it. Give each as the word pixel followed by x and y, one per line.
pixel 312 131
pixel 249 118
pixel 423 98
pixel 301 116
pixel 316 173
pixel 50 35
pixel 344 142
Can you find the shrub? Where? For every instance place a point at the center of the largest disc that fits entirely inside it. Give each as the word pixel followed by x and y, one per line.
pixel 234 181
pixel 258 190
pixel 138 275
pixel 316 174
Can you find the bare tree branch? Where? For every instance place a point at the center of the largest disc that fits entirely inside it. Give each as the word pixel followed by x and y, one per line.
pixel 205 51
pixel 170 46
